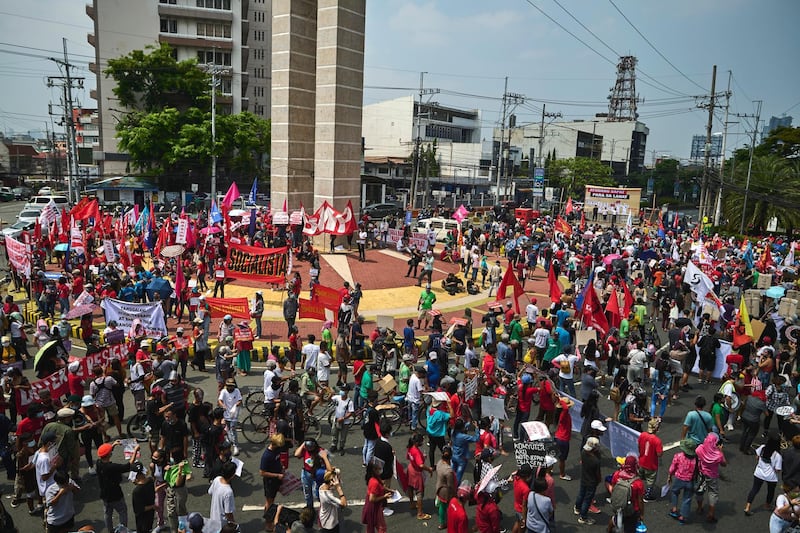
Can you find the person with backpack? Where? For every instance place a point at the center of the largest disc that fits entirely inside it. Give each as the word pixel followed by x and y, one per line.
pixel 698 423
pixel 682 476
pixel 565 363
pixel 633 410
pixel 710 457
pixel 590 478
pixel 627 497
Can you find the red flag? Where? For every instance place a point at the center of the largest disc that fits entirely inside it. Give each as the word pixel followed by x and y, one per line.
pixel 592 312
pixel 661 223
pixel 555 288
pixel 568 207
pixel 766 258
pixel 675 221
pixel 231 196
pixel 583 221
pixel 37 233
pixel 350 218
pixel 562 226
pixel 612 307
pixel 286 205
pixel 85 209
pixel 180 281
pixel 510 280
pixel 628 300
pixel 124 259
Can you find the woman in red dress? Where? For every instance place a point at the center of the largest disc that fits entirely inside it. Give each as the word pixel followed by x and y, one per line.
pixel 372 512
pixel 416 479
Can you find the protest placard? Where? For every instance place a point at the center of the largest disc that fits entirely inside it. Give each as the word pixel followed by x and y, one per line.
pixel 493 407
pixel 534 452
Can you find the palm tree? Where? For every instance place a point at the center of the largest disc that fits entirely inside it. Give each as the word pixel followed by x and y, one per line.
pixel 774 192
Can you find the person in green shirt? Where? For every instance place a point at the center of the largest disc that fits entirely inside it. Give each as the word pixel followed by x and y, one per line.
pixel 424 306
pixel 553 350
pixel 327 335
pixel 625 328
pixel 366 383
pixel 719 414
pixel 404 375
pixel 640 310
pixel 515 334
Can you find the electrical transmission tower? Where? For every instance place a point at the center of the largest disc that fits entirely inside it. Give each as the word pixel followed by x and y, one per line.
pixel 623 100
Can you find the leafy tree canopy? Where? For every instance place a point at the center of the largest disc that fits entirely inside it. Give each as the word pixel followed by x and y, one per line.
pixel 152 79
pixel 574 174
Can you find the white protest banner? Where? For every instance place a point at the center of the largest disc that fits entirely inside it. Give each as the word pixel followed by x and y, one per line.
pixel 493 407
pixel 108 249
pixel 83 298
pixel 577 419
pixel 470 388
pixel 420 240
pixel 19 257
pixel 720 366
pixel 151 316
pixel 183 228
pixel 624 440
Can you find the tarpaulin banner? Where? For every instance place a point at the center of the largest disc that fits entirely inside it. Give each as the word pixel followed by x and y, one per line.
pixel 57 381
pixel 151 316
pixel 327 297
pixel 420 240
pixel 311 309
pixel 259 264
pixel 236 307
pixel 108 250
pixel 183 228
pixel 19 257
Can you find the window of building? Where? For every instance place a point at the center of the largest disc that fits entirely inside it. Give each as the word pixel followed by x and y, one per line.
pixel 168 1
pixel 110 195
pixel 213 4
pixel 213 57
pixel 169 25
pixel 226 87
pixel 207 29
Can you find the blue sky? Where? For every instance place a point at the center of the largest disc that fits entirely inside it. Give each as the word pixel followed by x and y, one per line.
pixel 469 46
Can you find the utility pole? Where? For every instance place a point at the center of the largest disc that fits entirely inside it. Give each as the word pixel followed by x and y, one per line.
pixel 718 208
pixel 66 83
pixel 750 164
pixel 500 158
pixel 216 81
pixel 418 141
pixel 705 193
pixel 509 99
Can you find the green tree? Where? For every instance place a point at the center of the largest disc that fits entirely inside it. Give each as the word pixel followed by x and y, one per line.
pixel 574 174
pixel 167 131
pixel 152 79
pixel 774 192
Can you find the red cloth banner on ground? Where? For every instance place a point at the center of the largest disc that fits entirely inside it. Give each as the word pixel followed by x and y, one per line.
pixel 259 264
pixel 312 309
pixel 18 256
pixel 236 307
pixel 327 297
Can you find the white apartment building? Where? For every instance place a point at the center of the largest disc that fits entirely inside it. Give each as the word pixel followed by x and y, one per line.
pixel 232 34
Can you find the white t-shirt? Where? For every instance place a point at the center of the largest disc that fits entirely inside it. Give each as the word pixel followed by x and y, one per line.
pixel 540 337
pixel 391 360
pixel 564 357
pixel 414 394
pixel 329 504
pixel 137 383
pixel 270 394
pixel 469 354
pixel 230 401
pixel 768 471
pixel 532 313
pixel 222 502
pixel 311 352
pixel 268 375
pixel 637 359
pixel 42 462
pixel 323 366
pixel 343 406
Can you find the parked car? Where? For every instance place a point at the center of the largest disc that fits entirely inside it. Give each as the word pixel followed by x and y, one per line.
pixel 30 214
pixel 44 191
pixel 22 193
pixel 378 211
pixel 6 194
pixel 41 201
pixel 16 229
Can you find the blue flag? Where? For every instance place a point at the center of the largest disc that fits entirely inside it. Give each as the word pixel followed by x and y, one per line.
pixel 252 229
pixel 144 216
pixel 253 192
pixel 748 258
pixel 582 295
pixel 214 215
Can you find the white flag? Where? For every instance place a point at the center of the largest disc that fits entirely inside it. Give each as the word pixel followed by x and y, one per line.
pixel 700 284
pixel 49 214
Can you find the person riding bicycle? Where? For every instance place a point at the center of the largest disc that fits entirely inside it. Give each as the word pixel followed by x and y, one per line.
pixel 312 393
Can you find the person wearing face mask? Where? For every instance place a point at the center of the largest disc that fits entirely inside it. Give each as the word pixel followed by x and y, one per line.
pixel 174 436
pixel 230 399
pixel 343 415
pixel 176 476
pixel 157 465
pixel 181 344
pixel 224 456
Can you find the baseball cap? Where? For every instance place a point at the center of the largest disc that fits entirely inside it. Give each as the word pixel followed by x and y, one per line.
pixel 591 444
pixel 598 426
pixel 65 412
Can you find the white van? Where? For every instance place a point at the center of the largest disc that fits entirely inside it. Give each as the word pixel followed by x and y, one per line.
pixel 41 201
pixel 442 226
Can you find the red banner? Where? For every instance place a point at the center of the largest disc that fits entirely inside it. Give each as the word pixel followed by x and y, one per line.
pixel 57 381
pixel 236 307
pixel 259 264
pixel 311 309
pixel 327 297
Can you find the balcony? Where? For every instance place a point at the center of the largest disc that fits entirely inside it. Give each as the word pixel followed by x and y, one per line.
pixel 184 11
pixel 194 41
pixel 90 11
pixel 90 39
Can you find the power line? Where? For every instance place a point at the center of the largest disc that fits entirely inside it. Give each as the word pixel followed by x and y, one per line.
pixel 653 46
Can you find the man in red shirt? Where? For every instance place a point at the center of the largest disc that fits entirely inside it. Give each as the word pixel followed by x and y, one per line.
pixel 522 487
pixel 457 521
pixel 650 450
pixel 563 435
pixel 509 314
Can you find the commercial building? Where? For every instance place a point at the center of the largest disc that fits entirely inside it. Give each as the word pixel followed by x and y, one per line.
pixel 774 123
pixel 234 35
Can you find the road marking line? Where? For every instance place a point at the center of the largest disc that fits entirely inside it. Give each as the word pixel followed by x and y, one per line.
pixel 302 505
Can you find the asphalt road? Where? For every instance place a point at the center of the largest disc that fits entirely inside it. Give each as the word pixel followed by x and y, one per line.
pixel 249 495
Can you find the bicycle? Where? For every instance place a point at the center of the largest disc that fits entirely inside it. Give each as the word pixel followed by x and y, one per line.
pixel 254 400
pixel 256 427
